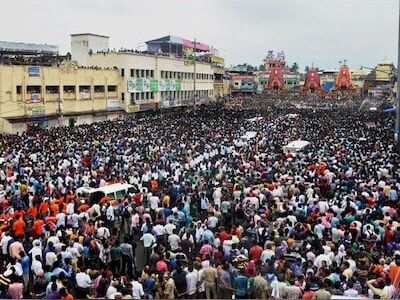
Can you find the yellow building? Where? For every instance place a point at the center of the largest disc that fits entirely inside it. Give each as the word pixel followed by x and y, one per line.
pixel 40 96
pixel 383 71
pixel 358 78
pixel 220 87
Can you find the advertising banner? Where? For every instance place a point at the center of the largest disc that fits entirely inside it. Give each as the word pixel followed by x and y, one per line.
pixel 154 85
pixel 151 85
pixel 35 107
pixel 146 85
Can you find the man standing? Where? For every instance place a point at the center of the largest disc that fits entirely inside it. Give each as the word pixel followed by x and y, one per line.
pixel 209 277
pixel 137 288
pixel 148 242
pixel 83 283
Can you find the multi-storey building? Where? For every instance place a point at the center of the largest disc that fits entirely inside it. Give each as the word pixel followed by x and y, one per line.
pixel 36 89
pixel 151 79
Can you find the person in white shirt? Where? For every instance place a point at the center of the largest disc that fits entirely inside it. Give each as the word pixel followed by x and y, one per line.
pixel 83 283
pixel 4 244
pixel 173 241
pixel 154 202
pixel 60 219
pixel 110 213
pixel 36 265
pixel 137 288
pixel 192 278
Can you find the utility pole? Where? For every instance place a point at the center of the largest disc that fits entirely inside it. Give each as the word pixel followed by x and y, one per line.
pixel 397 129
pixel 194 71
pixel 59 111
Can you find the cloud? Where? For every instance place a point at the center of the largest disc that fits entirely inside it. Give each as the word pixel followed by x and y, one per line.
pixel 309 31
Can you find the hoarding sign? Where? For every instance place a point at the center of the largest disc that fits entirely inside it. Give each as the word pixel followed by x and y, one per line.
pixel 34 71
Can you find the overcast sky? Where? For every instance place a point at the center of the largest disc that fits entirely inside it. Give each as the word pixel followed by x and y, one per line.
pixel 309 31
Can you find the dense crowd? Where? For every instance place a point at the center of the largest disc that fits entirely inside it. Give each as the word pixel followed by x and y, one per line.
pixel 214 211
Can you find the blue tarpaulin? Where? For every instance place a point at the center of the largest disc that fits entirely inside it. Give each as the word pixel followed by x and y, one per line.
pixel 328 85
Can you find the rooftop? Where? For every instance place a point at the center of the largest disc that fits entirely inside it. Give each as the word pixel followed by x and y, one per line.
pixel 92 34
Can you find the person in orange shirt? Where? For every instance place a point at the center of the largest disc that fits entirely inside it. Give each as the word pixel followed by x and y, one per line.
pixel 54 208
pixel 19 227
pixel 154 185
pixel 19 213
pixel 65 295
pixel 38 227
pixel 32 211
pixel 44 207
pixel 83 207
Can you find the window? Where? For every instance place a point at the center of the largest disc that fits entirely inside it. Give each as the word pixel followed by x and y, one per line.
pixel 147 73
pixel 99 88
pixel 112 88
pixel 122 72
pixel 69 89
pixel 19 89
pixel 162 74
pixel 123 96
pixel 152 73
pixel 137 73
pixel 132 98
pixel 141 73
pixel 151 95
pixel 147 95
pixel 52 89
pixel 132 72
pixel 33 89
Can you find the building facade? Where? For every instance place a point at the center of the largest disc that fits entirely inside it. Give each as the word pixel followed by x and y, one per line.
pixel 32 96
pixel 148 81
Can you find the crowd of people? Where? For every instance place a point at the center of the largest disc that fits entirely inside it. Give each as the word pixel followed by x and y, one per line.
pixel 214 212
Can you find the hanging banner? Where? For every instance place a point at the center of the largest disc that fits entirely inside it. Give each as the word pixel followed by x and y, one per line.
pixel 148 85
pixel 154 85
pixel 135 85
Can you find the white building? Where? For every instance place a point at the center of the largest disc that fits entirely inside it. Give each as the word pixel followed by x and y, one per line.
pixel 147 81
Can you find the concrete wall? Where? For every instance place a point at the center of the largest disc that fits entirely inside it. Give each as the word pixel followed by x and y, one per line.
pixel 82 44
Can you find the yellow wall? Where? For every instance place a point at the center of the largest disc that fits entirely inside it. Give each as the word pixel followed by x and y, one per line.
pixel 15 96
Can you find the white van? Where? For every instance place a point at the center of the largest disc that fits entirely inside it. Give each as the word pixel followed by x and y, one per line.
pixel 113 191
pixel 295 146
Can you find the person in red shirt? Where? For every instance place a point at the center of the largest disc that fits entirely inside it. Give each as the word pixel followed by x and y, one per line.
pixel 223 236
pixel 255 251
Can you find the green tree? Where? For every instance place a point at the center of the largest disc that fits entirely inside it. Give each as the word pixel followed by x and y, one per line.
pixel 261 67
pixel 306 69
pixel 294 68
